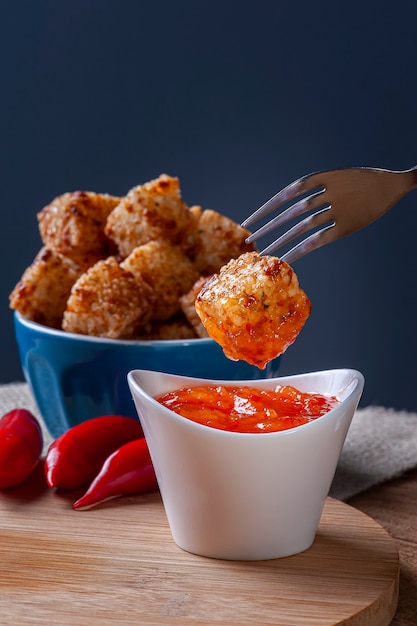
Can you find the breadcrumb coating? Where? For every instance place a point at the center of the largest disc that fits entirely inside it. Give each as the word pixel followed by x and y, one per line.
pixel 108 301
pixel 219 239
pixel 42 292
pixel 190 237
pixel 167 269
pixel 175 329
pixel 73 225
pixel 254 308
pixel 154 210
pixel 147 266
pixel 187 304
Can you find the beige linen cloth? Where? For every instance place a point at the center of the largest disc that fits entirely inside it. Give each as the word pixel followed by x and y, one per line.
pixel 381 443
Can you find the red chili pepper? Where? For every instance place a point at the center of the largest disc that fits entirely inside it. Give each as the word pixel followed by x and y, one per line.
pixel 21 445
pixel 75 458
pixel 128 470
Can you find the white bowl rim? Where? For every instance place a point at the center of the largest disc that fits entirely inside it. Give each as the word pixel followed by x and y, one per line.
pixel 63 334
pixel 358 379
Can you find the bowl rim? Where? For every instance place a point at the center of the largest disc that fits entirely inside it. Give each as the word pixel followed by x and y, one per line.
pixel 63 334
pixel 356 385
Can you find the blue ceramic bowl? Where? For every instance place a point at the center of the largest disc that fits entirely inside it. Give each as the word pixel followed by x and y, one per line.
pixel 74 377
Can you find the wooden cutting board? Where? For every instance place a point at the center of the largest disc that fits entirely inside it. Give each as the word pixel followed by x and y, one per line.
pixel 117 564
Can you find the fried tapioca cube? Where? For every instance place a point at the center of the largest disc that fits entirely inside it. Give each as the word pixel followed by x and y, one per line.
pixel 167 269
pixel 190 237
pixel 219 240
pixel 187 304
pixel 108 301
pixel 178 328
pixel 42 292
pixel 154 210
pixel 254 308
pixel 73 224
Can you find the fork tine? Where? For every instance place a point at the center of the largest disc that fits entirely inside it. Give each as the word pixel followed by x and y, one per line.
pixel 285 195
pixel 289 193
pixel 314 241
pixel 321 217
pixel 297 209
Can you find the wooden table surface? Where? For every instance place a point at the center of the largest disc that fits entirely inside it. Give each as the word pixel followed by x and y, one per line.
pixel 76 566
pixel 394 506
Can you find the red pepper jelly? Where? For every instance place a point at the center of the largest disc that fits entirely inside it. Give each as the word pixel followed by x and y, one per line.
pixel 248 409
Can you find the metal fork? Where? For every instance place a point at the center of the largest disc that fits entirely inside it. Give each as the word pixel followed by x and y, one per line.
pixel 347 200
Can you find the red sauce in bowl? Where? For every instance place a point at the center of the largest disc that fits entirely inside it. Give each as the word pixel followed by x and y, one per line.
pixel 248 409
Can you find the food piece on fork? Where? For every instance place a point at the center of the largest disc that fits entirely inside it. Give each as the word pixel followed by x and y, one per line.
pixel 254 308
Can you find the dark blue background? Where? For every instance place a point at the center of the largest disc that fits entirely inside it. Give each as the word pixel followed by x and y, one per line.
pixel 237 100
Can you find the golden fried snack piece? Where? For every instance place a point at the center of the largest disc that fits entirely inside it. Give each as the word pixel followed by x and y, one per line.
pixel 73 225
pixel 219 240
pixel 254 308
pixel 178 328
pixel 190 238
pixel 166 268
pixel 42 292
pixel 108 301
pixel 154 210
pixel 187 304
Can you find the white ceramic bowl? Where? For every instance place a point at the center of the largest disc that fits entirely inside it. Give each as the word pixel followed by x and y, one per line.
pixel 242 496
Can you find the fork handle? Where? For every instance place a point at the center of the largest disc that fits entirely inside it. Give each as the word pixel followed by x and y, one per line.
pixel 412 174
